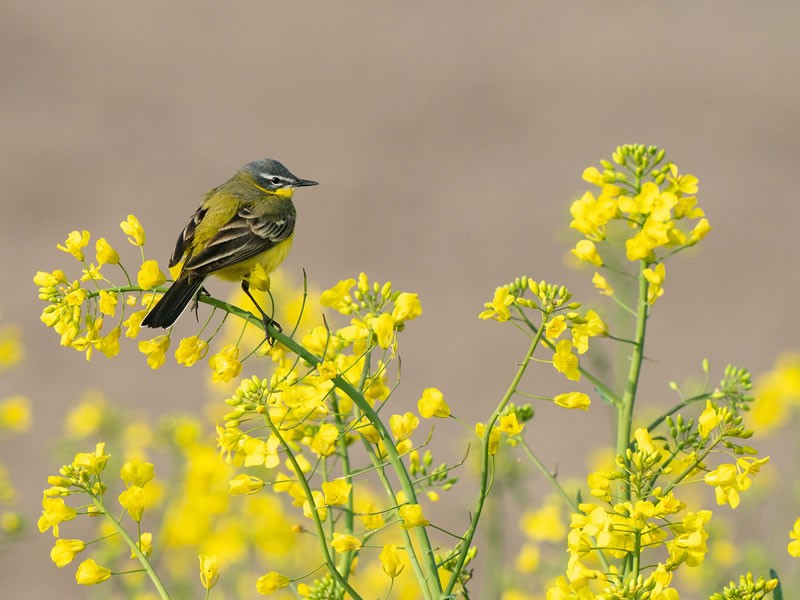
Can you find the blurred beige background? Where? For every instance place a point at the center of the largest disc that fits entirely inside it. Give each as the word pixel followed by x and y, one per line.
pixel 448 138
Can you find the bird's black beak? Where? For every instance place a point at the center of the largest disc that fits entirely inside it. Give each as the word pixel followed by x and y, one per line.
pixel 305 183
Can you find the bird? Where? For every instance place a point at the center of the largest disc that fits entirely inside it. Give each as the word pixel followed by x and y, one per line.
pixel 246 222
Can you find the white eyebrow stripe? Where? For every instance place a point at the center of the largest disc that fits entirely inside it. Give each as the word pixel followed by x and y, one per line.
pixel 270 176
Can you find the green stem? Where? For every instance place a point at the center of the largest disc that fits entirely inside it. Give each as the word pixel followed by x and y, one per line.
pixel 625 410
pixel 676 408
pixel 485 467
pixel 349 519
pixel 315 515
pixel 162 591
pixel 341 383
pixel 605 391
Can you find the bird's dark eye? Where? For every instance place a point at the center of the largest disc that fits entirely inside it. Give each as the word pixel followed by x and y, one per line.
pixel 275 180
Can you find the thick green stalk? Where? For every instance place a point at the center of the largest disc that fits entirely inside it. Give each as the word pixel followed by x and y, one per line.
pixel 625 411
pixel 421 534
pixel 485 467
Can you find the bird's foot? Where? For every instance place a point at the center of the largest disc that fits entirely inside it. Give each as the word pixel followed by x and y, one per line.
pixel 196 302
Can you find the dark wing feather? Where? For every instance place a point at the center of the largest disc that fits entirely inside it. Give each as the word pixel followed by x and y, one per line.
pixel 185 238
pixel 246 235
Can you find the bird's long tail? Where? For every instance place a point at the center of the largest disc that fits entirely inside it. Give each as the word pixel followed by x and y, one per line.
pixel 174 301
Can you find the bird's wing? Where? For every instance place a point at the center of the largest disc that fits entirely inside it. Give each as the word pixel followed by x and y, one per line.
pixel 246 235
pixel 185 238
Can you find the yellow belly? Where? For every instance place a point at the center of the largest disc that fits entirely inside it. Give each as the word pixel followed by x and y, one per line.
pixel 268 260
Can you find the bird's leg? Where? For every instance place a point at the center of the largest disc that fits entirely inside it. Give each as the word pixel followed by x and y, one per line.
pixel 264 316
pixel 196 302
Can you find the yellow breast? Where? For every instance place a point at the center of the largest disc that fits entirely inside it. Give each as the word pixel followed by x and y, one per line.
pixel 268 260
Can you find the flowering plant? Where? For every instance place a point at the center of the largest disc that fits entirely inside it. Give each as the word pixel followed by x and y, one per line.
pixel 309 438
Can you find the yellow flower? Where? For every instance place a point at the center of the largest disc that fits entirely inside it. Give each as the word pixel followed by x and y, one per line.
pixel 370 517
pixel 259 452
pixel 498 309
pixel 324 441
pixel 209 571
pixel 406 307
pixel 271 582
pixel 49 280
pixel 319 504
pixel 593 176
pixel 689 544
pixel 794 535
pixel 85 419
pixel 137 473
pixel 528 559
pixel 586 250
pixel 432 404
pixel 544 525
pixel 225 364
pixel 367 429
pixel 494 436
pixel 602 285
pixel 565 361
pixel 700 231
pixel 656 279
pixel 684 184
pixel 145 544
pixel 92 462
pixel 150 275
pixel 54 511
pixel 245 484
pixel 336 492
pixel 644 441
pixel 403 426
pixel 383 326
pixel 577 400
pixel 76 297
pixel 726 484
pixel 412 516
pixel 64 551
pixel 338 297
pixel 75 243
pixel 509 425
pixel 105 253
pixel 555 327
pixel 591 215
pixel 155 350
pixel 133 229
pixel 15 414
pixel 708 420
pixel 132 500
pixel 90 573
pixel 390 561
pixel 91 273
pixel 108 303
pixel 11 348
pixel 190 350
pixel 345 542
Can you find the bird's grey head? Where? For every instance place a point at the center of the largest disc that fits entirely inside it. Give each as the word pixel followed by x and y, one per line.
pixel 272 175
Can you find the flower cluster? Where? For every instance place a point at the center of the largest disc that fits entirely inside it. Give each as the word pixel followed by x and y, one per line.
pixel 650 515
pixel 651 198
pixel 289 476
pixel 295 426
pixel 81 310
pixel 558 317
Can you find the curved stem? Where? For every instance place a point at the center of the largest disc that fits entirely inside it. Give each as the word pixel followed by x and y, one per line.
pixel 162 591
pixel 317 522
pixel 485 459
